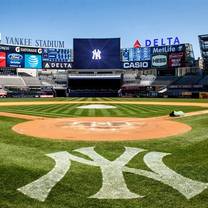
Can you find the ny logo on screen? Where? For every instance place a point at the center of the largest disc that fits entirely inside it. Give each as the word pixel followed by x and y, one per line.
pixel 96 54
pixel 113 182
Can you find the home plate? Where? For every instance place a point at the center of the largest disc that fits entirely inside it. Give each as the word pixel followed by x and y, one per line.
pixel 92 106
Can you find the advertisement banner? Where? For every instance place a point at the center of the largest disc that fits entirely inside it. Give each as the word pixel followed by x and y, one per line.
pixel 176 60
pixel 168 49
pixel 136 65
pixel 33 61
pixel 2 59
pixel 18 49
pixel 57 65
pixel 136 54
pixel 57 55
pixel 15 60
pixel 159 61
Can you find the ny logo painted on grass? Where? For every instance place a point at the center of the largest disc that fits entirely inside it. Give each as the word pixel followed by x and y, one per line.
pixel 113 182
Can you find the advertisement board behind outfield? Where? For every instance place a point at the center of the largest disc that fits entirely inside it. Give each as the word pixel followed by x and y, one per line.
pixel 168 49
pixel 176 59
pixel 57 65
pixel 136 65
pixel 160 60
pixel 17 49
pixel 33 61
pixel 2 59
pixel 15 60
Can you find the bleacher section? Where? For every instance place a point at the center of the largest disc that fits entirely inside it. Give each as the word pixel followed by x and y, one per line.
pixel 12 81
pixel 188 85
pixel 204 81
pixel 189 80
pixel 32 81
pixel 164 80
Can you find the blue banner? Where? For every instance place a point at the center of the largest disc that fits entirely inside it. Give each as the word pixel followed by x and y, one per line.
pixel 136 54
pixel 33 61
pixel 57 55
pixel 15 60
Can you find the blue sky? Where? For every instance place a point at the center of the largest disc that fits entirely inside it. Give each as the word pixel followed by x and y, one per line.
pixel 127 19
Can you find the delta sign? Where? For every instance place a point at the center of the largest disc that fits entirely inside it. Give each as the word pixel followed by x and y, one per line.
pixel 158 42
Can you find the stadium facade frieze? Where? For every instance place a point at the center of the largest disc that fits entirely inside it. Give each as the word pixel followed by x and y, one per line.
pixel 101 58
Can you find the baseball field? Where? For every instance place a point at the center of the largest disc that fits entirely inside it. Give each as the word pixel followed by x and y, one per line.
pixel 103 153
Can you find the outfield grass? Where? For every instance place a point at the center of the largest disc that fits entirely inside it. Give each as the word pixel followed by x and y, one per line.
pixel 122 110
pixel 103 99
pixel 23 160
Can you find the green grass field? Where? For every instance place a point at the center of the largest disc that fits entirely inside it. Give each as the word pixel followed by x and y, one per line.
pixel 23 160
pixel 71 110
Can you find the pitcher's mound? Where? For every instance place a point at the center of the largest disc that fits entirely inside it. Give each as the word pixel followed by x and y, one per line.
pixel 102 129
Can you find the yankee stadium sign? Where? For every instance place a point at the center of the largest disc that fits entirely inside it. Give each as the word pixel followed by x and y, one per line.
pixel 30 42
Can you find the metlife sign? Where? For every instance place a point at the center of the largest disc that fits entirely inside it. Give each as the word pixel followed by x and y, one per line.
pixel 168 49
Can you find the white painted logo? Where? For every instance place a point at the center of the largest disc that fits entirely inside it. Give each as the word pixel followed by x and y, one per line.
pixel 113 182
pixel 96 54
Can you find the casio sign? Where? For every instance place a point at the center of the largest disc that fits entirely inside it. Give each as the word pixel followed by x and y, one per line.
pixel 159 60
pixel 136 65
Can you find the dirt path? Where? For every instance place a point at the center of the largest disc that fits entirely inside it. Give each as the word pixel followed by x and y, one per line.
pixel 22 116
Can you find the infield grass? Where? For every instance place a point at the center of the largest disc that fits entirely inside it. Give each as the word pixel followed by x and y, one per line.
pixel 122 110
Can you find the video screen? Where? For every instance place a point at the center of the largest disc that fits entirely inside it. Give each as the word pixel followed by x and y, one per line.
pixel 97 53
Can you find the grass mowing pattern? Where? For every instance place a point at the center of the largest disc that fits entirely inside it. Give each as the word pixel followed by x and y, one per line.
pixel 122 110
pixel 104 99
pixel 23 160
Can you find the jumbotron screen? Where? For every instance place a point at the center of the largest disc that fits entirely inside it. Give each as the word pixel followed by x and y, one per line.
pixel 97 53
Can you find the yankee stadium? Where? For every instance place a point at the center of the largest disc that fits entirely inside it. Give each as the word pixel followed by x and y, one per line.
pixel 103 104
